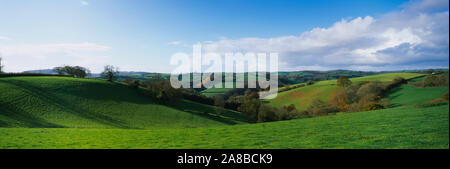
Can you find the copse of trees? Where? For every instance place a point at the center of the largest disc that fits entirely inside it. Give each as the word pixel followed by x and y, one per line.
pixel 134 84
pixel 163 91
pixel 433 80
pixel 110 73
pixel 365 96
pixel 219 104
pixel 343 81
pixel 73 71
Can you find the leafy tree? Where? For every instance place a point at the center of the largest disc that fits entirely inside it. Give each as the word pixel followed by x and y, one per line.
pixel 219 102
pixel 445 96
pixel 134 84
pixel 430 81
pixel 372 106
pixel 374 88
pixel 267 114
pixel 250 108
pixel 110 73
pixel 343 81
pixel 74 71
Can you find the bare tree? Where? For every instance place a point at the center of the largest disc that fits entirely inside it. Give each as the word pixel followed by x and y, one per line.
pixel 110 73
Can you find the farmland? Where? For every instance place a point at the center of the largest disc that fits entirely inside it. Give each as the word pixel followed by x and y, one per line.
pixel 302 97
pixel 61 112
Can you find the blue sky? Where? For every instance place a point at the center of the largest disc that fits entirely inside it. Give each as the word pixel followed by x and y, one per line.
pixel 142 35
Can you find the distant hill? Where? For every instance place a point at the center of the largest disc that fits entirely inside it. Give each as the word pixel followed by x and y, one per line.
pixel 44 71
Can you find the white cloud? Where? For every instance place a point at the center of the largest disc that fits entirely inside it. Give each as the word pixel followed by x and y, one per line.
pixel 4 38
pixel 32 56
pixel 84 3
pixel 416 36
pixel 174 43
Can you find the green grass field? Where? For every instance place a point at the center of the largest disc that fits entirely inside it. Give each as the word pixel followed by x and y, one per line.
pixel 403 127
pixel 325 90
pixel 409 95
pixel 45 112
pixel 56 102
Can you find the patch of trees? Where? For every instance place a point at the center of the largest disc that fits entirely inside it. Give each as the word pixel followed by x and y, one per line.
pixel 365 96
pixel 110 73
pixel 163 91
pixel 72 71
pixel 343 81
pixel 219 104
pixel 433 80
pixel 134 84
pixel 353 98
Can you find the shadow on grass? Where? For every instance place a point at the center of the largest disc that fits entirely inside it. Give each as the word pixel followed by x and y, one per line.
pixel 209 112
pixel 25 119
pixel 61 104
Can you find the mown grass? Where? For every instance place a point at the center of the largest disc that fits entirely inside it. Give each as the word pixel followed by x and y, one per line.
pixel 402 127
pixel 58 102
pixel 325 90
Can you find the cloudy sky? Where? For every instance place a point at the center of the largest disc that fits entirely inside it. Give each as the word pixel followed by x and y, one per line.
pixel 142 35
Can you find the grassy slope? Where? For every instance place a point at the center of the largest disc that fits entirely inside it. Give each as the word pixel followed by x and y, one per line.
pixel 409 95
pixel 403 127
pixel 52 102
pixel 302 97
pixel 400 127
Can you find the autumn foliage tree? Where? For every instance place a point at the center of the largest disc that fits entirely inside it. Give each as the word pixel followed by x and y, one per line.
pixel 343 81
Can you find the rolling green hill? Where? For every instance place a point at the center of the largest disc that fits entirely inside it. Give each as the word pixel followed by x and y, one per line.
pixel 405 126
pixel 58 102
pixel 325 90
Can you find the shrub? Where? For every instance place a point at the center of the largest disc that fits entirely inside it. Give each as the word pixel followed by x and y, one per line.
pixel 134 84
pixel 375 88
pixel 434 102
pixel 219 104
pixel 309 82
pixel 386 103
pixel 267 114
pixel 320 108
pixel 371 106
pixel 445 96
pixel 250 108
